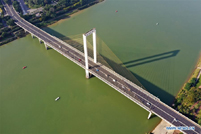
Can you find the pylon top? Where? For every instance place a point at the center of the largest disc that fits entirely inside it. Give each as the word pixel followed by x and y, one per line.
pixel 90 32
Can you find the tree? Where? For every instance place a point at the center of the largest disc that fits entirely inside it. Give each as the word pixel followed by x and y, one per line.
pixel 20 34
pixel 193 80
pixel 197 94
pixel 47 1
pixel 43 16
pixel 51 10
pixel 3 34
pixel 53 15
pixel 190 99
pixel 17 6
pixel 7 1
pixel 11 22
pixel 199 121
pixel 188 86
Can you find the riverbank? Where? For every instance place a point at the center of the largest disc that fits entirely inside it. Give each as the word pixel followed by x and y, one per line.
pixel 71 13
pixel 188 99
pixel 161 127
pixel 37 20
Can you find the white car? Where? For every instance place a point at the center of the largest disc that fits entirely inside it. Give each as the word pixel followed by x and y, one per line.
pixel 148 103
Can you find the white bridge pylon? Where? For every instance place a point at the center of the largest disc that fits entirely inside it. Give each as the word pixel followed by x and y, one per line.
pixel 92 31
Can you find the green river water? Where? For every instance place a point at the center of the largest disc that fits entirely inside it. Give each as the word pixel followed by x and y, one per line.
pixel 160 56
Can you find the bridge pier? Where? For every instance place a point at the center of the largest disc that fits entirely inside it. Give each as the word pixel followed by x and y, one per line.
pixel 40 41
pixel 46 46
pixel 32 35
pixel 150 113
pixel 25 31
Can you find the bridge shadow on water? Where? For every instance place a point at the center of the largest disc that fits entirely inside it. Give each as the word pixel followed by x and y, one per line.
pixel 149 59
pixel 150 87
pixel 64 38
pixel 55 33
pixel 122 68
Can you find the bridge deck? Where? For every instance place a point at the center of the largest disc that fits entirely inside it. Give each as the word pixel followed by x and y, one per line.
pixel 119 83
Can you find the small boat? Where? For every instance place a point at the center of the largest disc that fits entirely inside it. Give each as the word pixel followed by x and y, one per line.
pixel 24 67
pixel 116 11
pixel 157 23
pixel 57 98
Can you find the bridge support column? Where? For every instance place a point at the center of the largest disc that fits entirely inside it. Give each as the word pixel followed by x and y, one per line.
pixel 25 30
pixel 86 56
pixel 46 46
pixel 150 113
pixel 94 45
pixel 40 41
pixel 32 35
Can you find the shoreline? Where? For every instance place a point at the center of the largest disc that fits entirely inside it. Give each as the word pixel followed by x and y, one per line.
pixel 60 18
pixel 161 128
pixel 72 13
pixel 157 129
pixel 190 75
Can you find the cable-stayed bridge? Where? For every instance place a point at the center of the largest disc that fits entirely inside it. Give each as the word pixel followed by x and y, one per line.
pixel 135 93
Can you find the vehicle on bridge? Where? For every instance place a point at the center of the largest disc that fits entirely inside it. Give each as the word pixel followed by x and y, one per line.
pixel 148 103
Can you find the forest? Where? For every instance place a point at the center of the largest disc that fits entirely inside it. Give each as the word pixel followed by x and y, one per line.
pixel 60 3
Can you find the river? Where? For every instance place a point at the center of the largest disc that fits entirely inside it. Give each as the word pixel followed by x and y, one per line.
pixel 160 56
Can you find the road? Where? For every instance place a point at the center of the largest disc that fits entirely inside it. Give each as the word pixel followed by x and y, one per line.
pixel 23 6
pixel 119 83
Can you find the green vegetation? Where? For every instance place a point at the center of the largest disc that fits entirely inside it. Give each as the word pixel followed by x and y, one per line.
pixel 7 33
pixel 188 100
pixel 17 6
pixel 53 11
pixel 1 24
pixel 1 10
pixel 10 22
pixel 60 4
pixel 7 1
pixel 7 40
